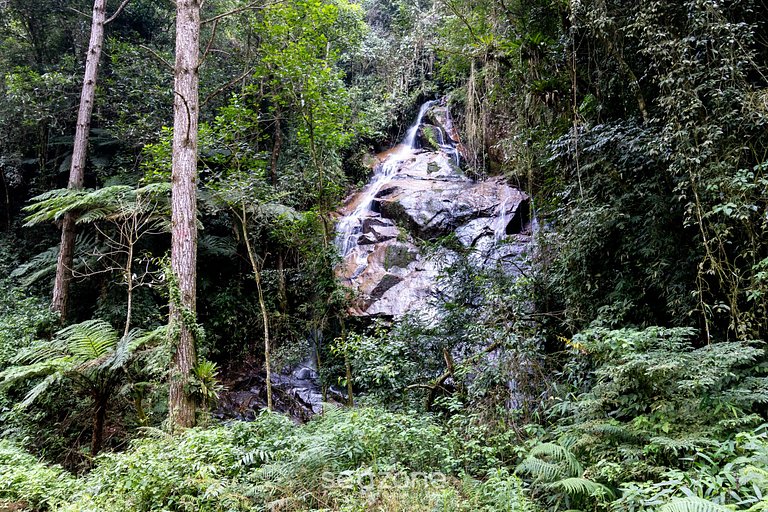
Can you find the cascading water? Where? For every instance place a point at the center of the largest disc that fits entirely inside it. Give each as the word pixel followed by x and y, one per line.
pixel 502 221
pixel 410 136
pixel 349 227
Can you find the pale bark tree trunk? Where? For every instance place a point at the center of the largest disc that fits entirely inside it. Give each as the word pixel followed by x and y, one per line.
pixel 59 302
pixel 256 267
pixel 184 207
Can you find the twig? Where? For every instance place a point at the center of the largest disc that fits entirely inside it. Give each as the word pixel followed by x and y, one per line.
pixel 210 42
pixel 117 12
pixel 81 13
pixel 157 56
pixel 251 5
pixel 226 86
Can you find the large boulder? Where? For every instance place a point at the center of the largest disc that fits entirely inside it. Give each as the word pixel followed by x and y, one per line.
pixel 422 194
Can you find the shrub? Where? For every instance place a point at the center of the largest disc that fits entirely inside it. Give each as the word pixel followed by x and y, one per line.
pixel 24 479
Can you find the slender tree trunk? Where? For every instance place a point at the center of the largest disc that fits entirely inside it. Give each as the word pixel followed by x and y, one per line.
pixel 59 302
pixel 262 305
pixel 276 148
pixel 129 283
pixel 184 206
pixel 7 201
pixel 99 419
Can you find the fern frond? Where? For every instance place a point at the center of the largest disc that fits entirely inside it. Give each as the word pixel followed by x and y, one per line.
pixel 580 486
pixel 559 454
pixel 36 353
pixel 94 215
pixel 683 444
pixel 40 388
pixel 540 470
pixel 89 340
pixel 692 504
pixel 40 265
pixel 224 247
pixel 114 202
pixel 135 340
pixel 14 374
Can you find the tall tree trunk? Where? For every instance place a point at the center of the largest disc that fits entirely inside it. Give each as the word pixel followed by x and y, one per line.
pixel 184 206
pixel 59 302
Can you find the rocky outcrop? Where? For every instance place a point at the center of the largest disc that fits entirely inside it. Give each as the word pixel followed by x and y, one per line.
pixel 422 194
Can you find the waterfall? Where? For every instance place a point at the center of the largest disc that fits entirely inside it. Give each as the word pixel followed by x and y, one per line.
pixel 410 136
pixel 502 221
pixel 349 227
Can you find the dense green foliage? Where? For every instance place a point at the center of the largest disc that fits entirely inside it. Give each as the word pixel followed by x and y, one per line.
pixel 364 459
pixel 622 368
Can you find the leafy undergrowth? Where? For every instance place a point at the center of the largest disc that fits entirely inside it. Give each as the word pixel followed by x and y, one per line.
pixel 351 460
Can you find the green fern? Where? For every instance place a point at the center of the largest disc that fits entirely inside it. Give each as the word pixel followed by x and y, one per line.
pixel 110 203
pixel 692 504
pixel 44 264
pixel 549 461
pixel 540 470
pixel 580 486
pixel 89 340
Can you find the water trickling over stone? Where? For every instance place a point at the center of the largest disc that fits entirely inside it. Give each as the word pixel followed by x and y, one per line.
pixel 418 191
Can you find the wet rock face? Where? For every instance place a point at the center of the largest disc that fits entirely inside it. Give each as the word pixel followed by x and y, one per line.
pixel 421 194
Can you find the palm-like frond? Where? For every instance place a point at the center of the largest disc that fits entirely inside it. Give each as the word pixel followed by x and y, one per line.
pixel 14 374
pixel 44 264
pixel 89 340
pixel 114 202
pixel 692 504
pixel 552 456
pixel 38 266
pixel 128 345
pixel 40 388
pixel 220 246
pixel 581 486
pixel 37 352
pixel 540 470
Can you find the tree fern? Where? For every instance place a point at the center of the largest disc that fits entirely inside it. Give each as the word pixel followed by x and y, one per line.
pixel 85 354
pixel 115 202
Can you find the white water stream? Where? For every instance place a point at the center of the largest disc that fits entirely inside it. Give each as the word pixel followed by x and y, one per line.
pixel 350 226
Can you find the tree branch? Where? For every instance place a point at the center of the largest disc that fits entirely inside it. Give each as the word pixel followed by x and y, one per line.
pixel 157 56
pixel 81 13
pixel 252 5
pixel 210 42
pixel 117 12
pixel 226 86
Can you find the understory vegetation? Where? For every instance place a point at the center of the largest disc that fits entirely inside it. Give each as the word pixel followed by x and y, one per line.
pixel 621 367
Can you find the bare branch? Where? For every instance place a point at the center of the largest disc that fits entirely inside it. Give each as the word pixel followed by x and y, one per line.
pixel 210 42
pixel 226 86
pixel 157 56
pixel 117 12
pixel 81 13
pixel 252 5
